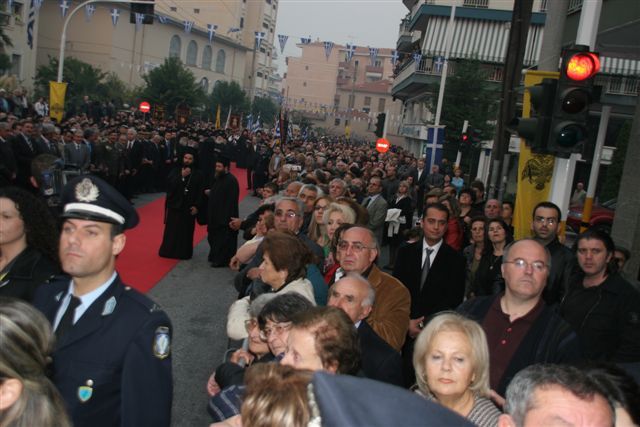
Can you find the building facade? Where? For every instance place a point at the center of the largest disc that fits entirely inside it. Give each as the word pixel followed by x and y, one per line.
pixel 14 21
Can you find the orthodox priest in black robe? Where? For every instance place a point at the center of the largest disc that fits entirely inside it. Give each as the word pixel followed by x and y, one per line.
pixel 185 193
pixel 223 196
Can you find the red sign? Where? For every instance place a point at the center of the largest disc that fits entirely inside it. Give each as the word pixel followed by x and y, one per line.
pixel 382 145
pixel 145 107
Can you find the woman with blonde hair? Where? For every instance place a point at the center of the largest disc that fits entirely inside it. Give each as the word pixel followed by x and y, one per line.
pixel 27 396
pixel 451 360
pixel 334 216
pixel 316 225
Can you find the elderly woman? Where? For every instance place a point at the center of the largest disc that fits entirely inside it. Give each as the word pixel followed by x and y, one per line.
pixel 27 396
pixel 28 244
pixel 451 359
pixel 283 270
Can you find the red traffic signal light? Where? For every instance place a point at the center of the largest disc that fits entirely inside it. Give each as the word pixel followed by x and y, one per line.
pixel 464 138
pixel 582 65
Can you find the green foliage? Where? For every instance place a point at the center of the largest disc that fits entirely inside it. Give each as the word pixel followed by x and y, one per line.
pixel 82 78
pixel 467 96
pixel 5 62
pixel 611 184
pixel 171 84
pixel 265 107
pixel 4 39
pixel 229 94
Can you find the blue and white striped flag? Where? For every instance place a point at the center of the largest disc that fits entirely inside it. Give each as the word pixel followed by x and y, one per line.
pixel 394 57
pixel 211 30
pixel 417 57
pixel 256 125
pixel 351 48
pixel 305 40
pixel 328 46
pixel 64 7
pixel 249 121
pixel 139 20
pixel 373 54
pixel 188 25
pixel 31 21
pixel 162 19
pixel 259 37
pixel 89 10
pixel 115 14
pixel 282 39
pixel 304 134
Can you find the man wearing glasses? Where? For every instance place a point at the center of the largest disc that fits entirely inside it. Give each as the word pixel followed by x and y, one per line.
pixel 544 225
pixel 357 253
pixel 521 329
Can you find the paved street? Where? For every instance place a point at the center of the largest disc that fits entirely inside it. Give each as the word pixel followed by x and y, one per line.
pixel 196 297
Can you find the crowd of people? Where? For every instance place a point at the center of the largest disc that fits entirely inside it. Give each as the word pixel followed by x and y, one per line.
pixel 359 273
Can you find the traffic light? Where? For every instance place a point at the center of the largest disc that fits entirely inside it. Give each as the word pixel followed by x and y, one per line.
pixel 463 142
pixel 145 9
pixel 535 128
pixel 475 137
pixel 380 125
pixel 576 92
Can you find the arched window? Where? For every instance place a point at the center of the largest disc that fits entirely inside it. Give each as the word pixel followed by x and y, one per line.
pixel 192 53
pixel 204 82
pixel 174 47
pixel 220 59
pixel 206 58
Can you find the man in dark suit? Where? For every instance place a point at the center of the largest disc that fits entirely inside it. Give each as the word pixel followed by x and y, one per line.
pixel 354 295
pixel 76 153
pixel 44 142
pixel 434 274
pixel 134 152
pixel 112 360
pixel 376 207
pixel 24 151
pixel 7 161
pixel 420 178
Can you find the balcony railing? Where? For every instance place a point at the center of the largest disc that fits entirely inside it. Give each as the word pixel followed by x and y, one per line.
pixel 616 85
pixel 484 4
pixel 416 131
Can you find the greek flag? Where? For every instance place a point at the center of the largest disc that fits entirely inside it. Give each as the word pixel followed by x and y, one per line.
pixel 256 125
pixel 394 57
pixel 351 48
pixel 64 7
pixel 188 25
pixel 162 19
pixel 417 57
pixel 304 134
pixel 139 20
pixel 31 21
pixel 373 54
pixel 328 46
pixel 249 121
pixel 305 40
pixel 211 30
pixel 282 39
pixel 89 10
pixel 259 37
pixel 115 14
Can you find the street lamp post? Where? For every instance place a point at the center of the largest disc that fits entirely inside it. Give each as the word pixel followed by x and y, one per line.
pixel 63 37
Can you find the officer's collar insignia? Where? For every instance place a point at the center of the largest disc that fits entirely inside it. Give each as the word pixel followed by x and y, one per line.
pixel 85 391
pixel 162 343
pixel 58 296
pixel 109 306
pixel 87 191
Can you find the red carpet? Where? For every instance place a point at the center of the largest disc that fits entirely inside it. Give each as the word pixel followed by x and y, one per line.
pixel 139 264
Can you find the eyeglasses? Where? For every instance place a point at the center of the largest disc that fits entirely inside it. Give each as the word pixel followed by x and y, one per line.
pixel 520 264
pixel 357 247
pixel 320 208
pixel 543 220
pixel 250 324
pixel 278 329
pixel 288 214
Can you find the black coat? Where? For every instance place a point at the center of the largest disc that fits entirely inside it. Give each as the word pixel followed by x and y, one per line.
pixel 116 348
pixel 29 270
pixel 444 288
pixel 380 361
pixel 563 262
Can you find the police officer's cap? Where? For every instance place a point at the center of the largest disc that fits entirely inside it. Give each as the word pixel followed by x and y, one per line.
pixel 89 197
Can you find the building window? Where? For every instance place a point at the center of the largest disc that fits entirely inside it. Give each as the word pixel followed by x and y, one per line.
pixel 206 58
pixel 263 50
pixel 241 22
pixel 367 101
pixel 265 25
pixel 220 60
pixel 204 82
pixel 173 9
pixel 16 65
pixel 381 104
pixel 192 53
pixel 174 47
pixel 304 84
pixel 259 74
pixel 337 121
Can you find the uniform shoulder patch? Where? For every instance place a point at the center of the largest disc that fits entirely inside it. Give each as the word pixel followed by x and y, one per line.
pixel 147 304
pixel 162 343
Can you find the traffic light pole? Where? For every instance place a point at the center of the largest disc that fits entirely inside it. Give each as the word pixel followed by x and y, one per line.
pixel 465 125
pixel 564 169
pixel 63 36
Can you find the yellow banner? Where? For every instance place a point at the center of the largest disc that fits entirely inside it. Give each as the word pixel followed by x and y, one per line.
pixel 534 170
pixel 218 118
pixel 57 92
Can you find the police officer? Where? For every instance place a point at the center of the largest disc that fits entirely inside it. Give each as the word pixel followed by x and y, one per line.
pixel 112 361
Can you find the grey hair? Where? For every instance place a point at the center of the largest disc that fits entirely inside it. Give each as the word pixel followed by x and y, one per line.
pixel 312 187
pixel 297 201
pixel 48 128
pixel 507 249
pixel 339 181
pixel 257 304
pixel 520 392
pixel 369 232
pixel 371 293
pixel 135 132
pixel 4 126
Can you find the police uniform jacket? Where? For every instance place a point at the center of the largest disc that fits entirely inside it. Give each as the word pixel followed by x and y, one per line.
pixel 113 367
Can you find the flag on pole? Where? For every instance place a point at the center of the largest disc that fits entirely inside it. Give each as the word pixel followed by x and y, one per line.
pixel 226 124
pixel 249 121
pixel 64 7
pixel 328 46
pixel 162 19
pixel 211 30
pixel 351 48
pixel 394 57
pixel 89 10
pixel 256 125
pixel 218 118
pixel 188 25
pixel 282 39
pixel 31 23
pixel 139 20
pixel 373 54
pixel 115 14
pixel 417 57
pixel 305 40
pixel 57 93
pixel 259 37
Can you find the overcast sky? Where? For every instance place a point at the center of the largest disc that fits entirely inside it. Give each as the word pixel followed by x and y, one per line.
pixel 361 22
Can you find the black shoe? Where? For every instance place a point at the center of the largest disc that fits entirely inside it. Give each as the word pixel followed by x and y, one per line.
pixel 218 265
